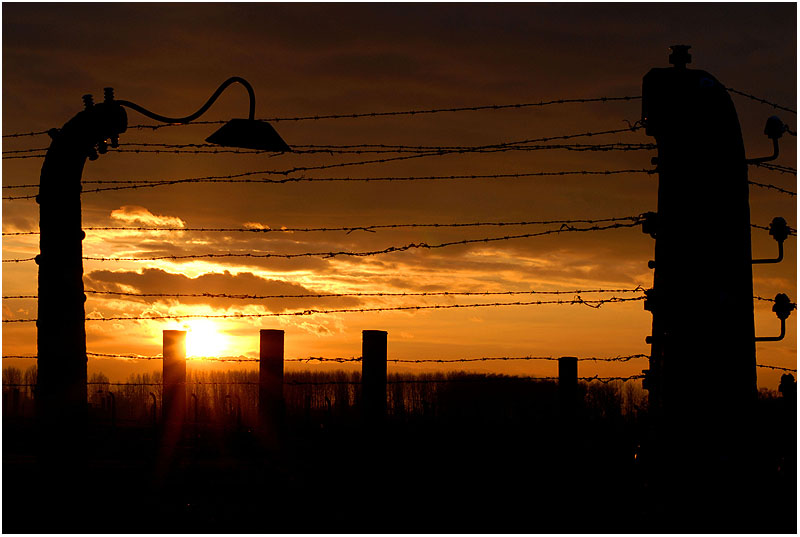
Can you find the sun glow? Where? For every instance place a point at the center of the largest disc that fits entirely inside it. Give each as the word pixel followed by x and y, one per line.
pixel 203 339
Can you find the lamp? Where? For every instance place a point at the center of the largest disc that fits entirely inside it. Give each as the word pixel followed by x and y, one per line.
pixel 247 133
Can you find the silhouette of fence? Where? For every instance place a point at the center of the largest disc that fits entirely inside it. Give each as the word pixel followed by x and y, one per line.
pixel 414 152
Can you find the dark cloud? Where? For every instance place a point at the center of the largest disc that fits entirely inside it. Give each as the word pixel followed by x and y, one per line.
pixel 244 283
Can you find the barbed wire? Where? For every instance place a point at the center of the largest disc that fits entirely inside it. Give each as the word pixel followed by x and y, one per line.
pixel 768 186
pixel 760 100
pixel 410 112
pixel 137 184
pixel 594 303
pixel 347 229
pixel 619 358
pixel 327 255
pixel 376 294
pixel 792 231
pixel 485 378
pixel 777 167
pixel 341 295
pixel 777 368
pixel 22 134
pixel 421 245
pixel 211 149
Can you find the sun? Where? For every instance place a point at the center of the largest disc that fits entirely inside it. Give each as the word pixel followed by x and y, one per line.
pixel 203 339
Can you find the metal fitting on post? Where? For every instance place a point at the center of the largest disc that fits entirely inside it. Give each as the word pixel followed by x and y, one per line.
pixel 783 306
pixel 680 56
pixel 650 300
pixel 774 128
pixel 778 230
pixel 649 223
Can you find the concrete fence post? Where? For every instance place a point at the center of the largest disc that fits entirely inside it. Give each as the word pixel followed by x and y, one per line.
pixel 174 376
pixel 270 379
pixel 373 374
pixel 568 384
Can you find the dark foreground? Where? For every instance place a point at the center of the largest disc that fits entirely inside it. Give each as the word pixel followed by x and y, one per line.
pixel 463 472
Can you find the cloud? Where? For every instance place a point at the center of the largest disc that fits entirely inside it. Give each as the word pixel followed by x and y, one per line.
pixel 133 213
pixel 243 283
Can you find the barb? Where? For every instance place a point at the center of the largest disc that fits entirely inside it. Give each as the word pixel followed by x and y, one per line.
pixel 760 100
pixel 350 310
pixel 773 187
pixel 348 230
pixel 390 249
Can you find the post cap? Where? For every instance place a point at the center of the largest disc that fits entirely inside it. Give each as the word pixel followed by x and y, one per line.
pixel 680 56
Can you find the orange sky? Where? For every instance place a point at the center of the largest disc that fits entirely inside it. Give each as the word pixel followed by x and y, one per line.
pixel 307 59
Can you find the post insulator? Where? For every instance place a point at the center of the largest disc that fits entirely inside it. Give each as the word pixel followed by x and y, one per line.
pixel 649 223
pixel 779 229
pixel 783 306
pixel 650 300
pixel 88 101
pixel 774 128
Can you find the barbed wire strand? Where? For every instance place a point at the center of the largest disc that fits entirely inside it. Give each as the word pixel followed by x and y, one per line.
pixel 376 114
pixel 421 245
pixel 484 378
pixel 236 179
pixel 350 229
pixel 760 100
pixel 342 295
pixel 619 358
pixel 773 187
pixel 777 167
pixel 433 150
pixel 593 303
pixel 347 229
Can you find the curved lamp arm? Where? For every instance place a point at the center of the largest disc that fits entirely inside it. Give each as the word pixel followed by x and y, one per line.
pixel 202 110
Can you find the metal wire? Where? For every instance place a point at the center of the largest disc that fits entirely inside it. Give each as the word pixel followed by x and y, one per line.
pixel 760 100
pixel 620 358
pixel 421 245
pixel 773 187
pixel 777 368
pixel 777 167
pixel 596 303
pixel 338 295
pixel 348 229
pixel 211 150
pixel 137 184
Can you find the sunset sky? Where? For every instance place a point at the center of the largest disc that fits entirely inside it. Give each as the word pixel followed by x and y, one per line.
pixel 314 59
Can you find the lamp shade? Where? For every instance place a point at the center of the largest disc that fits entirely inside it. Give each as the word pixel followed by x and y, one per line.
pixel 249 134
